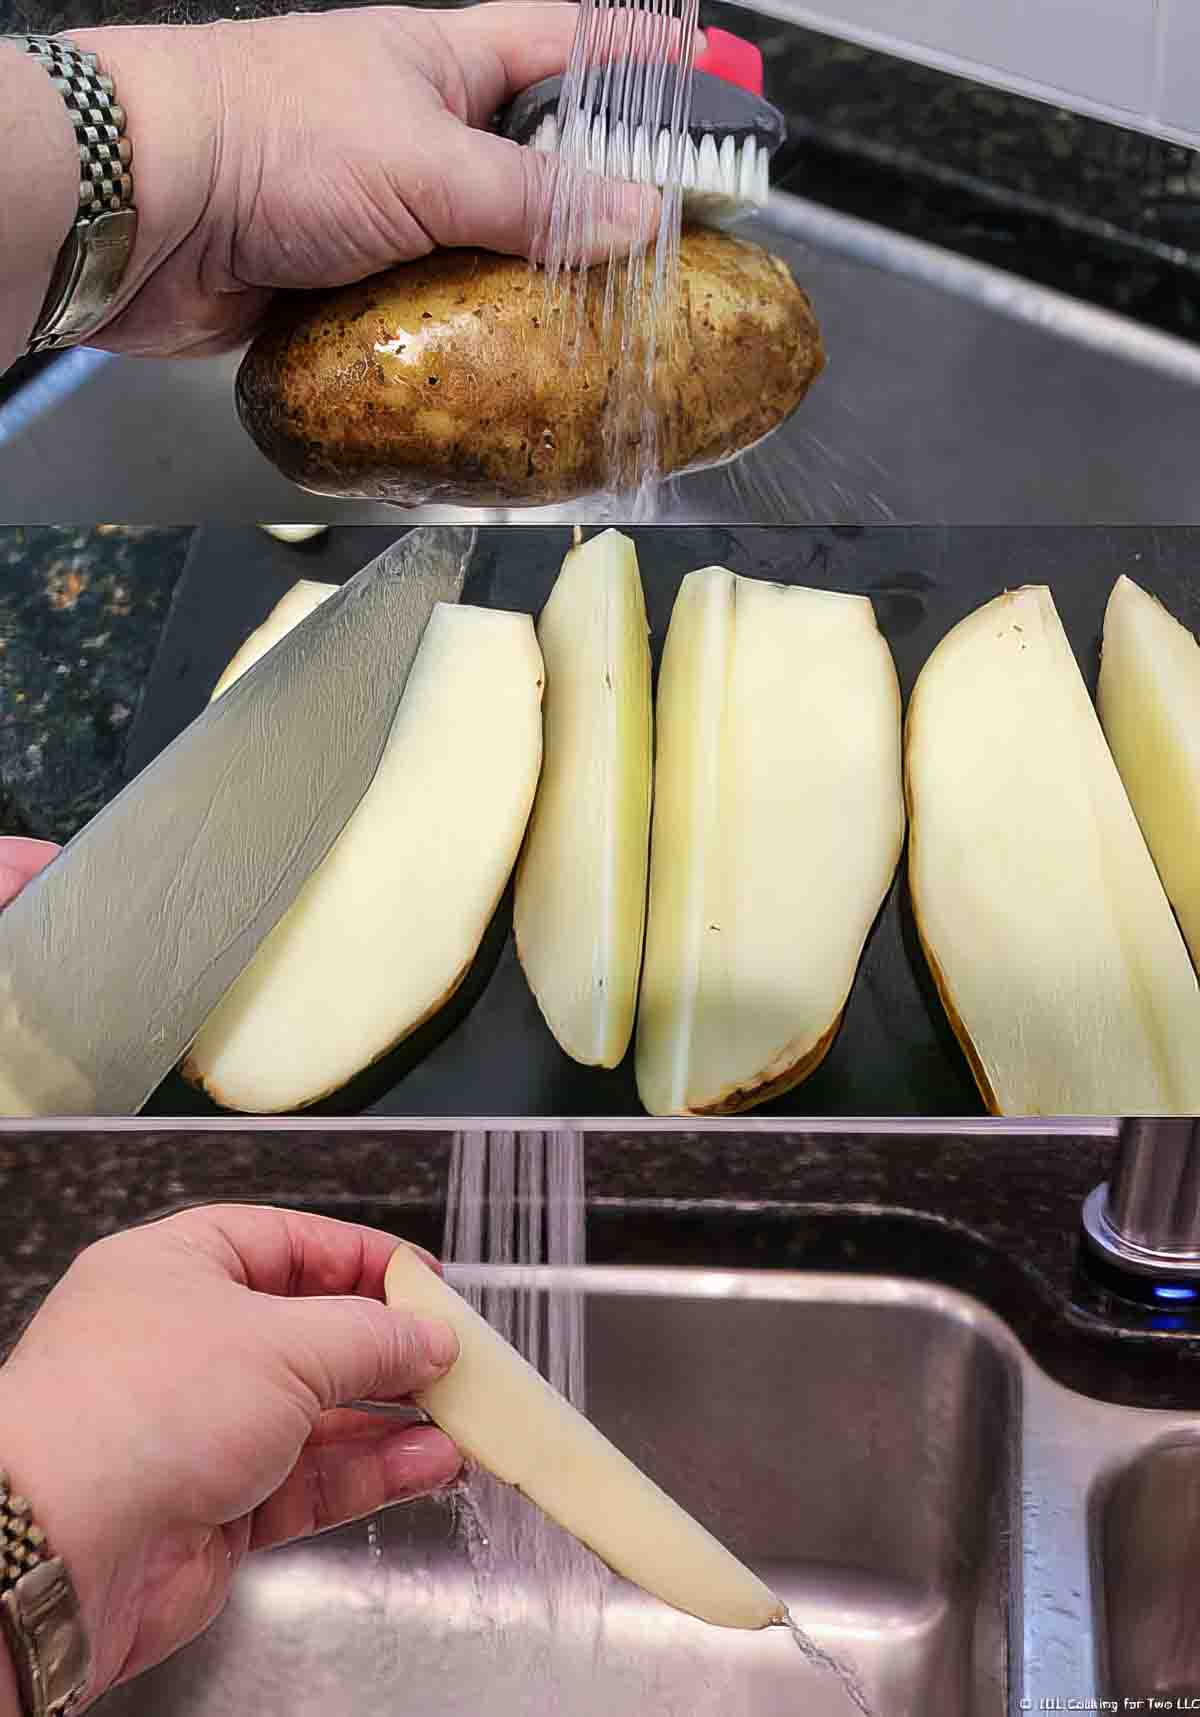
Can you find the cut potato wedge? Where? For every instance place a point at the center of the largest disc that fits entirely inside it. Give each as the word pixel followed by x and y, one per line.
pixel 299 602
pixel 1150 709
pixel 386 928
pixel 295 533
pixel 503 1414
pixel 580 908
pixel 1046 927
pixel 778 823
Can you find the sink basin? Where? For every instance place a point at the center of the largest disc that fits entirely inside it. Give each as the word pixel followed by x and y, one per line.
pixel 856 1440
pixel 1148 1551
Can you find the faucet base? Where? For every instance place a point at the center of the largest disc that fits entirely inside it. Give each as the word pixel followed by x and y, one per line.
pixel 1115 1248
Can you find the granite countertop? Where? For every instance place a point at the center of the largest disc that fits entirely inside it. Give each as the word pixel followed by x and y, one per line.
pixel 994 1216
pixel 81 613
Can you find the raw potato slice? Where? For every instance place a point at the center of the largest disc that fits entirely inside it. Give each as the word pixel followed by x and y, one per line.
pixel 1150 707
pixel 504 1415
pixel 386 928
pixel 580 908
pixel 1047 930
pixel 778 822
pixel 289 611
pixel 295 533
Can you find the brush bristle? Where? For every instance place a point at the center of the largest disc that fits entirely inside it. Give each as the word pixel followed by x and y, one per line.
pixel 717 180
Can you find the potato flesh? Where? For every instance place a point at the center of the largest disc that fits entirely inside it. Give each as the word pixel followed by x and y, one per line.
pixel 503 1414
pixel 387 926
pixel 296 605
pixel 580 907
pixel 1048 930
pixel 1149 701
pixel 778 822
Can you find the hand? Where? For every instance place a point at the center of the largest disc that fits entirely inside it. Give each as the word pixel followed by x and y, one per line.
pixel 177 1402
pixel 20 862
pixel 314 150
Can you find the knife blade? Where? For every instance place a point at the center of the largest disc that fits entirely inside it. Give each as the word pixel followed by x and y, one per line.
pixel 112 959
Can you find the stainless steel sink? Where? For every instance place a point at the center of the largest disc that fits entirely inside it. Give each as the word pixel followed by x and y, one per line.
pixel 884 1452
pixel 1148 1552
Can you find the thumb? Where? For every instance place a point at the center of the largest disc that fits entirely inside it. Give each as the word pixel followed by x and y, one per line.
pixel 500 194
pixel 349 1349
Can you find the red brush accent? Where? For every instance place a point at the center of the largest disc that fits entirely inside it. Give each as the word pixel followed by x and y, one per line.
pixel 728 57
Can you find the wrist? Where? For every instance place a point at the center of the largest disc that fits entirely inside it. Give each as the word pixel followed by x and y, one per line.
pixel 67 1502
pixel 40 151
pixel 168 80
pixel 10 1704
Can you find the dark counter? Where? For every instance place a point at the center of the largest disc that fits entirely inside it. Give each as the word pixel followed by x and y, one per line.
pixel 81 613
pixel 994 1216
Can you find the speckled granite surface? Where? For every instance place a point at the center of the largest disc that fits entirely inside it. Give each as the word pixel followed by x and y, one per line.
pixel 81 612
pixel 995 1217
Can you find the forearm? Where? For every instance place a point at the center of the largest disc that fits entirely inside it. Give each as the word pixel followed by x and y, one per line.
pixel 39 194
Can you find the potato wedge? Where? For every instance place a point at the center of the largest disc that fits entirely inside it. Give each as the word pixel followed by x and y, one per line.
pixel 386 928
pixel 446 381
pixel 1046 927
pixel 778 823
pixel 1149 701
pixel 293 607
pixel 503 1414
pixel 295 533
pixel 580 908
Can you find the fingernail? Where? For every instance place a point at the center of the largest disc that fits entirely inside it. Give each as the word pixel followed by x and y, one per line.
pixel 439 1343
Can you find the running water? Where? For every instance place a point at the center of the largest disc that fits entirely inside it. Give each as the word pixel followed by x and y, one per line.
pixel 623 114
pixel 811 1652
pixel 516 1200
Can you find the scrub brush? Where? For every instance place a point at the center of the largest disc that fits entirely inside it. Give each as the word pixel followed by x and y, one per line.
pixel 723 165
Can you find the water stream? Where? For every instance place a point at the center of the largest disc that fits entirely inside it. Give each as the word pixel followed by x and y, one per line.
pixel 622 115
pixel 518 1200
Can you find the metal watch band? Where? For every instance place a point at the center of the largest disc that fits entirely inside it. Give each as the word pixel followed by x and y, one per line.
pixel 97 251
pixel 39 1614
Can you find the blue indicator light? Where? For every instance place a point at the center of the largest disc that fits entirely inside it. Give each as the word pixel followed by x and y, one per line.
pixel 1175 1291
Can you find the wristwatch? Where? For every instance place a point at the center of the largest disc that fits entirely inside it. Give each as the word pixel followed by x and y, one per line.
pixel 97 250
pixel 39 1614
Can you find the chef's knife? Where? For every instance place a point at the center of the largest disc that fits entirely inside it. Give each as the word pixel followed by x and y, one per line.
pixel 112 959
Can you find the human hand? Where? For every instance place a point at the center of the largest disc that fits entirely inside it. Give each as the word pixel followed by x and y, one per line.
pixel 314 150
pixel 20 862
pixel 178 1402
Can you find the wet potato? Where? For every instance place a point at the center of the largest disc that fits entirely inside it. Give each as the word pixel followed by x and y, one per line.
pixel 441 380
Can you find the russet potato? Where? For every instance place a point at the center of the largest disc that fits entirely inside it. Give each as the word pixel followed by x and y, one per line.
pixel 446 381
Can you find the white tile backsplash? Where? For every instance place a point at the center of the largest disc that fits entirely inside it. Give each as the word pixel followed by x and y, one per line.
pixel 1100 55
pixel 1179 95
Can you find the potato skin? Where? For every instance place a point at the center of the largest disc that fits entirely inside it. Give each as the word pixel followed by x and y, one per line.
pixel 441 381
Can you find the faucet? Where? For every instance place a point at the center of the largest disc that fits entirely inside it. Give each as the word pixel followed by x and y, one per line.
pixel 1145 1219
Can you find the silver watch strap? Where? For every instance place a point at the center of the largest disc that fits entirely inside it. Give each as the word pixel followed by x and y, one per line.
pixel 39 1614
pixel 97 251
